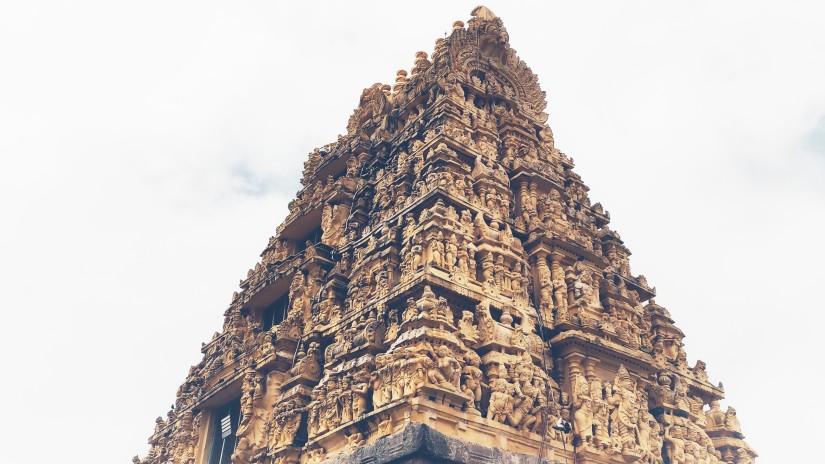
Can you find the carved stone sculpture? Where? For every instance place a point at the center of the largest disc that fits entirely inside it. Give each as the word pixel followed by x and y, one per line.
pixel 443 264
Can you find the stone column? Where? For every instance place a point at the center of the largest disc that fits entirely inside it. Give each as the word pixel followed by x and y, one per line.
pixel 559 285
pixel 574 366
pixel 543 291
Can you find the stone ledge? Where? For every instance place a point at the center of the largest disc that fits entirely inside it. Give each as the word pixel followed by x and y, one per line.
pixel 420 444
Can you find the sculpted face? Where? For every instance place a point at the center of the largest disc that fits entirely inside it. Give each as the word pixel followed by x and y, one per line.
pixel 627 383
pixel 474 360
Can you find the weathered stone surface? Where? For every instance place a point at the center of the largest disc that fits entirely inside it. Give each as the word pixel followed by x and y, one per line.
pixel 443 290
pixel 421 444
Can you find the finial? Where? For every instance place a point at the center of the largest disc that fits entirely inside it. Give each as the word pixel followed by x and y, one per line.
pixel 400 80
pixel 483 13
pixel 458 25
pixel 421 63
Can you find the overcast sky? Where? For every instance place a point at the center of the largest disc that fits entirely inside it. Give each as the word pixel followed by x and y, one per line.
pixel 148 150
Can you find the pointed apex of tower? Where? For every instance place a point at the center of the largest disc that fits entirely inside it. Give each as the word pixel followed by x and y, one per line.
pixel 474 63
pixel 483 13
pixel 491 36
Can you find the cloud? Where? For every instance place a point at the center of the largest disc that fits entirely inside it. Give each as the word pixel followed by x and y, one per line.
pixel 815 139
pixel 148 151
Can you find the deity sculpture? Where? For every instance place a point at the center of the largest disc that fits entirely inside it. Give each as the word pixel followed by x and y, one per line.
pixel 626 412
pixel 434 252
pixel 486 323
pixel 382 362
pixel 446 371
pixel 674 449
pixel 467 330
pixel 472 380
pixel 501 400
pixel 360 390
pixel 582 410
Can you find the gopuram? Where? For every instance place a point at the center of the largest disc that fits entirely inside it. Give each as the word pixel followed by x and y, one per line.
pixel 443 290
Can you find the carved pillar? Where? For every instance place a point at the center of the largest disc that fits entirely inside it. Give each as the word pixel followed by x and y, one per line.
pixel 543 289
pixel 524 200
pixel 597 278
pixel 574 365
pixel 559 286
pixel 393 265
pixel 581 403
pixel 570 280
pixel 590 364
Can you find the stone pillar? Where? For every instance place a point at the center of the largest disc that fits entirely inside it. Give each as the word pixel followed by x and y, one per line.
pixel 543 288
pixel 574 365
pixel 597 279
pixel 559 286
pixel 524 202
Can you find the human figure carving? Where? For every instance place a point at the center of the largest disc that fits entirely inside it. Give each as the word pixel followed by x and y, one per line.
pixel 674 445
pixel 582 410
pixel 451 253
pixel 314 411
pixel 486 323
pixel 731 421
pixel 501 400
pixel 626 410
pixel 472 380
pixel 416 251
pixel 411 312
pixel 434 256
pixel 446 371
pixel 377 380
pixel 360 390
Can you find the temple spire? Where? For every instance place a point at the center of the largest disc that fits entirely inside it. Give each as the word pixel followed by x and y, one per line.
pixel 483 13
pixel 443 275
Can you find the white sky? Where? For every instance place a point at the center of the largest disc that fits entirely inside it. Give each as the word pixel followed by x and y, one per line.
pixel 148 150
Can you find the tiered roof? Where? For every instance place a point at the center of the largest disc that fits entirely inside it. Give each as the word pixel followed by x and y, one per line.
pixel 443 264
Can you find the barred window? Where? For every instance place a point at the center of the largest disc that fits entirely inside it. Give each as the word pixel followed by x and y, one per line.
pixel 275 313
pixel 223 436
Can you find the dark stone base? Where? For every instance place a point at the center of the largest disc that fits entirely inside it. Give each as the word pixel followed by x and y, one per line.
pixel 419 444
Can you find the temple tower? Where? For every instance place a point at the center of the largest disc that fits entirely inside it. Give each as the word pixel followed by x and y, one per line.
pixel 443 290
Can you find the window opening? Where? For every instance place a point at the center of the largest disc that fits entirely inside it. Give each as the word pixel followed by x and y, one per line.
pixel 275 313
pixel 224 439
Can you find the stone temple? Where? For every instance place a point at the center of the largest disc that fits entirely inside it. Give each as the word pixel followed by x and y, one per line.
pixel 443 290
